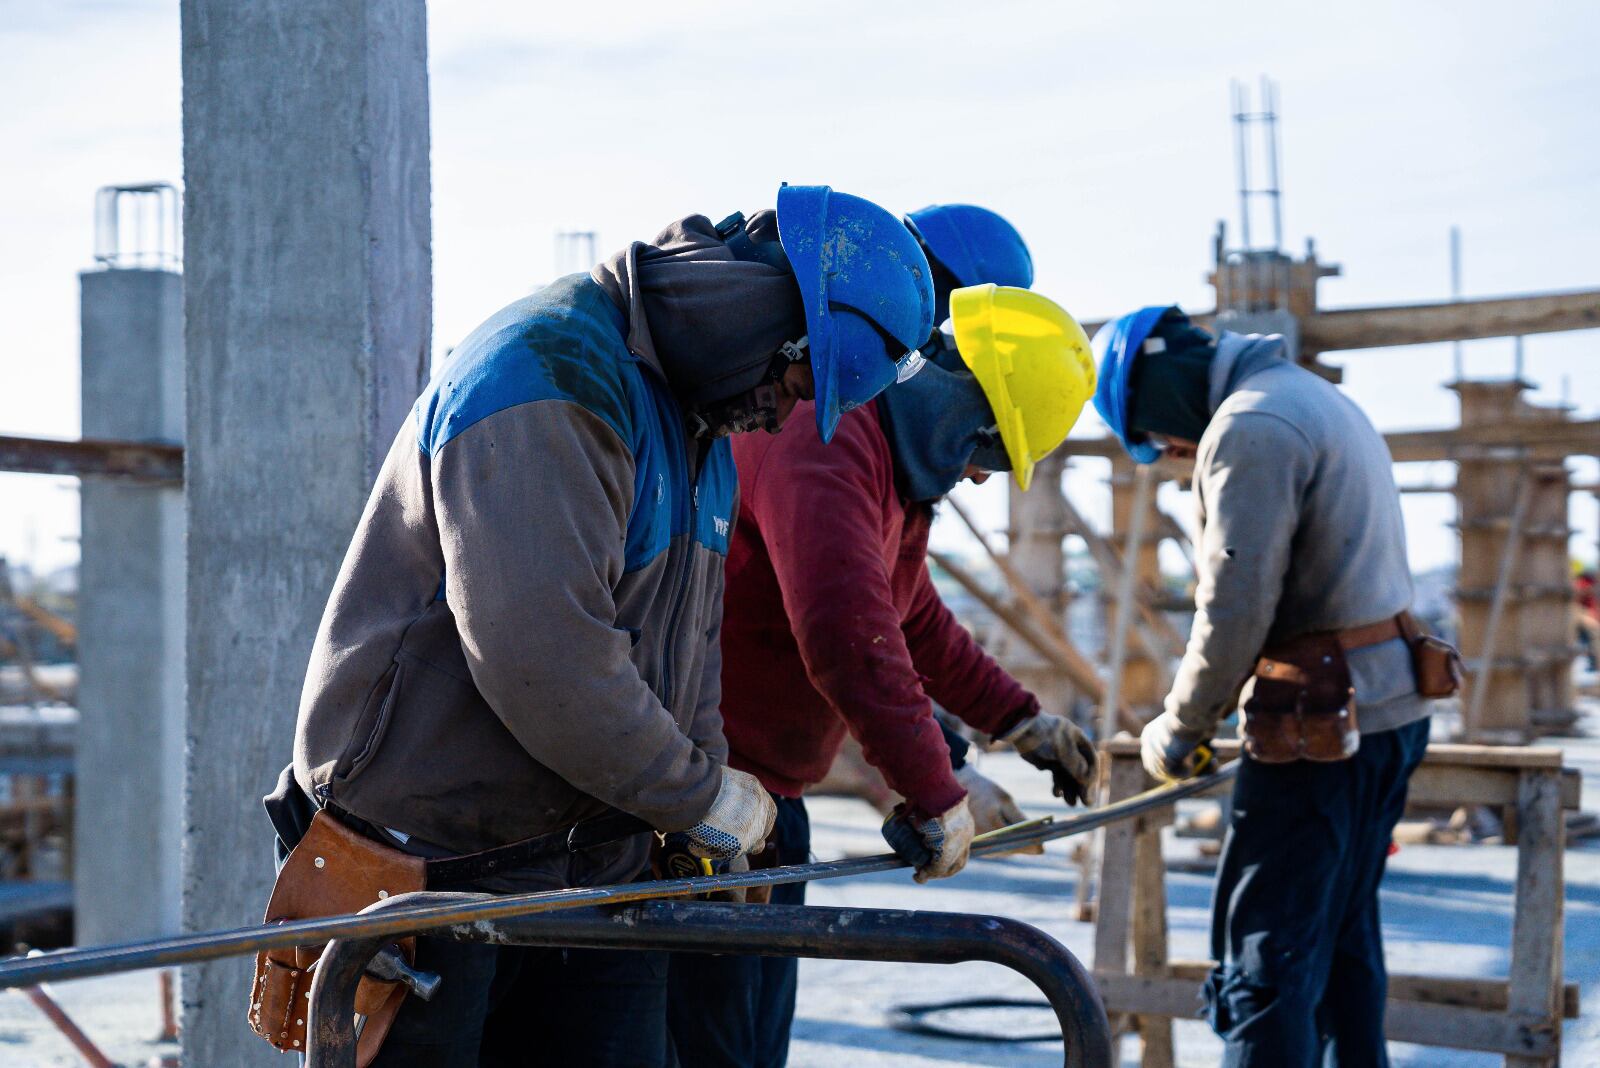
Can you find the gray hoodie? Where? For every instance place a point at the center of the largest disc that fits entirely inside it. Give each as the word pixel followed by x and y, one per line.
pixel 1300 531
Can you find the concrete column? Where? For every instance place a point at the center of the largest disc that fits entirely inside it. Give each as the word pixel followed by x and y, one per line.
pixel 307 304
pixel 129 812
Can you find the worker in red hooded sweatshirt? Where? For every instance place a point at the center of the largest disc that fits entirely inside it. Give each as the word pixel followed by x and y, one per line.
pixel 831 621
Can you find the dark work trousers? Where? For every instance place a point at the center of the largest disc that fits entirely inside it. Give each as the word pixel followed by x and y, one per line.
pixel 1296 907
pixel 520 1006
pixel 734 1011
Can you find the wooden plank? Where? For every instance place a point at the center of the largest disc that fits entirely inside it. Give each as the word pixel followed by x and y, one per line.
pixel 1449 775
pixel 1536 952
pixel 1420 324
pixel 1443 1026
pixel 1439 753
pixel 1533 440
pixel 1463 991
pixel 1114 909
pixel 140 461
pixel 1150 938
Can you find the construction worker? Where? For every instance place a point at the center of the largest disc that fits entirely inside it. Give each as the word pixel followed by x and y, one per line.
pixel 832 623
pixel 1302 598
pixel 522 643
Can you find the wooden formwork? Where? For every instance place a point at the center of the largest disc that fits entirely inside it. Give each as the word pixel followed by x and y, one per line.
pixel 1518 1017
pixel 1513 578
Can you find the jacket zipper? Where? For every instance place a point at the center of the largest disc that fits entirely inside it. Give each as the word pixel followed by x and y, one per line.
pixel 681 586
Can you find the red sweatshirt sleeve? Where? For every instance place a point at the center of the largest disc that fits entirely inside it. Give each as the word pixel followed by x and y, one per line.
pixel 958 673
pixel 821 512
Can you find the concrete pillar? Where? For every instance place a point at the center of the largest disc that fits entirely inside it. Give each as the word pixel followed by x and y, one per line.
pixel 307 319
pixel 129 812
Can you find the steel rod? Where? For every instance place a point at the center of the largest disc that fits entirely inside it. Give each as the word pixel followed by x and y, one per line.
pixel 215 945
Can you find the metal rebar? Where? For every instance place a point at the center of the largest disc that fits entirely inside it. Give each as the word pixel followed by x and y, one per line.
pixel 215 945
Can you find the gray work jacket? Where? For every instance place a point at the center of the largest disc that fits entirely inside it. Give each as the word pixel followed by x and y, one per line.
pixel 1300 531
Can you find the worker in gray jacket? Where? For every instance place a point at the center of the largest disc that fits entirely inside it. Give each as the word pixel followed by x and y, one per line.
pixel 522 645
pixel 1302 598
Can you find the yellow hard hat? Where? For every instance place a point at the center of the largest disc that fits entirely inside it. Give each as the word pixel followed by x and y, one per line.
pixel 1033 362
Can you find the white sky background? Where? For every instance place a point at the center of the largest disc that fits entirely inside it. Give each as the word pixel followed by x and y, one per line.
pixel 1102 131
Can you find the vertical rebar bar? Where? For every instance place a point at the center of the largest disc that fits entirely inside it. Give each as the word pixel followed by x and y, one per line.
pixel 1455 291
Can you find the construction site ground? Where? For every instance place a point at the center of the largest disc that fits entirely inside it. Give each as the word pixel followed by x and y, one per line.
pixel 1446 910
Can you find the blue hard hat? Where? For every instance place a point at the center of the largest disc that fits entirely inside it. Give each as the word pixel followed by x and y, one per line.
pixel 1116 345
pixel 867 290
pixel 974 244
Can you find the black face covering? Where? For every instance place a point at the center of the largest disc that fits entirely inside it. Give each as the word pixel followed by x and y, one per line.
pixel 1171 387
pixel 717 321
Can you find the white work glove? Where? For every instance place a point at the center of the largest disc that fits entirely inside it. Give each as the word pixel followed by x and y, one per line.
pixel 937 848
pixel 739 820
pixel 1055 744
pixel 991 806
pixel 1166 748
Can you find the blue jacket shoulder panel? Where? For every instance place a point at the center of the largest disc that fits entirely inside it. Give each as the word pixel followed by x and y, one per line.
pixel 565 342
pixel 569 342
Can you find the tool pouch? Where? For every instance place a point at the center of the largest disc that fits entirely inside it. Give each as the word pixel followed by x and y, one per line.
pixel 1303 704
pixel 1435 662
pixel 332 870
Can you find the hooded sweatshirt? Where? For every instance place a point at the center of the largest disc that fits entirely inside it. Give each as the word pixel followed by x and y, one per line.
pixel 1300 531
pixel 524 633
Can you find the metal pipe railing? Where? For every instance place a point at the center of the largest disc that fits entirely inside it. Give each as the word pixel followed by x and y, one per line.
pixel 764 930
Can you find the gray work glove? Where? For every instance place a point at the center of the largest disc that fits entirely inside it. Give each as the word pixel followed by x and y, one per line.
pixel 739 820
pixel 1055 744
pixel 1166 748
pixel 937 848
pixel 991 805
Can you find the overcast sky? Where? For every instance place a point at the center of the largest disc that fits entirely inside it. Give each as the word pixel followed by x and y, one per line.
pixel 1101 130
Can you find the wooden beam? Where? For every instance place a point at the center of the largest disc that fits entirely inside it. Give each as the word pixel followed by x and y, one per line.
pixel 1555 438
pixel 140 461
pixel 1421 324
pixel 1467 992
pixel 1442 1026
pixel 1065 658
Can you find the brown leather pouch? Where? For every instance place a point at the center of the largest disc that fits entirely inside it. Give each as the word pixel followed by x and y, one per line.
pixel 1435 662
pixel 1303 704
pixel 333 870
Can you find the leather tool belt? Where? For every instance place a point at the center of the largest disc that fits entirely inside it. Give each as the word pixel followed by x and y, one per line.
pixel 1303 704
pixel 335 869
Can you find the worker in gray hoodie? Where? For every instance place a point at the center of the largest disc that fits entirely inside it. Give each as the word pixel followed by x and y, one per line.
pixel 518 675
pixel 1302 598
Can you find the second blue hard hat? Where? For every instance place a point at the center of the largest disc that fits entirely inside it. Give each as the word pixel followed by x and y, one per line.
pixel 1116 348
pixel 977 246
pixel 867 290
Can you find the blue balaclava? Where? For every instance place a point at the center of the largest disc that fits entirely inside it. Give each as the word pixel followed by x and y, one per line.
pixel 937 423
